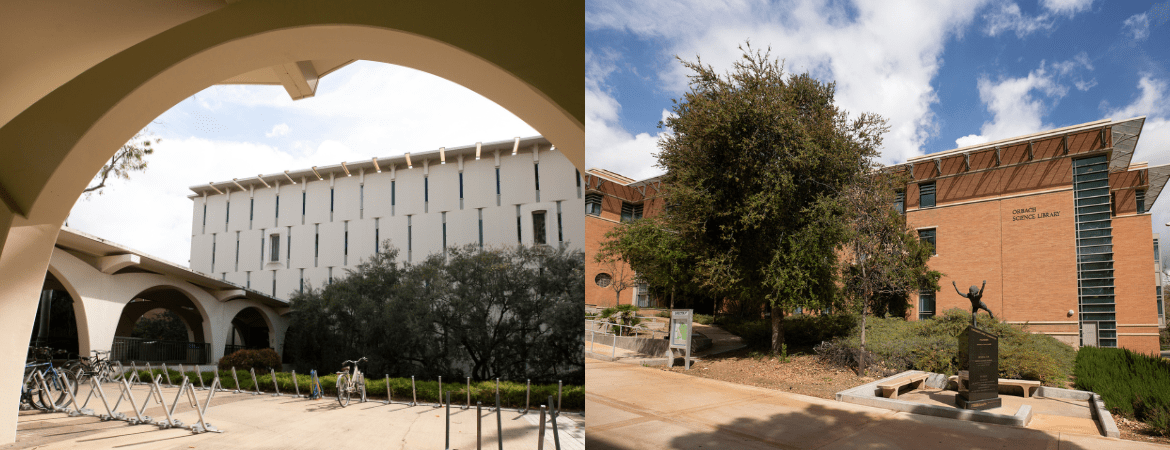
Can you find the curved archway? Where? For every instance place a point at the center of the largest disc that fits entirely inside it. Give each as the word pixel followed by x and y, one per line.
pixel 155 345
pixel 251 329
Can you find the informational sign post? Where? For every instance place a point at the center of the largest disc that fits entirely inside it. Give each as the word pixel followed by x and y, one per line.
pixel 680 331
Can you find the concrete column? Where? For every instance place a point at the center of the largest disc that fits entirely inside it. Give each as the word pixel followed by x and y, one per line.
pixel 23 262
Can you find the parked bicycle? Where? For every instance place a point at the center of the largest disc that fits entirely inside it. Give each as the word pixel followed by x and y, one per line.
pixel 53 393
pixel 93 367
pixel 350 383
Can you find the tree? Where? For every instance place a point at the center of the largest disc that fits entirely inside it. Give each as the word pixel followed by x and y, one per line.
pixel 652 250
pixel 621 276
pixel 752 168
pixel 128 159
pixel 165 326
pixel 887 261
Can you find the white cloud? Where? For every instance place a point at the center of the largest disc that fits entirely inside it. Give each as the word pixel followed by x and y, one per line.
pixel 969 140
pixel 1008 17
pixel 279 130
pixel 1154 144
pixel 608 145
pixel 1153 101
pixel 1137 26
pixel 879 64
pixel 1067 7
pixel 1017 105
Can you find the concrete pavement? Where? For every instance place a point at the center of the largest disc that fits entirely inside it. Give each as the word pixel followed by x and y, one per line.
pixel 631 407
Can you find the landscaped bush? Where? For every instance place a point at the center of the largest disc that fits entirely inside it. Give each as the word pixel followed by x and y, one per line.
pixel 705 319
pixel 894 345
pixel 800 330
pixel 512 394
pixel 1131 384
pixel 261 360
pixel 621 315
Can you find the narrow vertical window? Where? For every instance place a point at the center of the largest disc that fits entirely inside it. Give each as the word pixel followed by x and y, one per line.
pixel 497 186
pixel 302 281
pixel 212 252
pixel 460 190
pixel 316 243
pixel 330 275
pixel 393 194
pixel 248 280
pixel 480 227
pixel 538 231
pixel 593 204
pixel 409 243
pixel 1140 196
pixel 288 249
pixel 444 234
pixel 926 195
pixel 361 201
pixel 560 229
pixel 377 245
pixel 204 216
pixel 237 269
pixel 274 283
pixel 900 202
pixel 925 304
pixel 330 199
pixel 262 248
pixel 277 207
pixel 251 209
pixel 536 176
pixel 578 182
pixel 227 213
pixel 519 236
pixel 304 201
pixel 274 244
pixel 426 192
pixel 345 246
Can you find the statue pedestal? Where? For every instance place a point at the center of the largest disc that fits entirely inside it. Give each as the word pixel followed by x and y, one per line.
pixel 979 375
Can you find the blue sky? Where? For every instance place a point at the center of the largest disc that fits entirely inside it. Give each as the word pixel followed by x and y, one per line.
pixel 363 110
pixel 946 74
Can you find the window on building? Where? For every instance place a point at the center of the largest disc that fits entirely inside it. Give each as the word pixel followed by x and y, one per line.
pixel 251 211
pixel 212 252
pixel 926 195
pixel 560 228
pixel 304 201
pixel 460 190
pixel 519 238
pixel 925 304
pixel 227 213
pixel 603 279
pixel 377 231
pixel 1140 194
pixel 593 204
pixel 409 238
pixel 497 186
pixel 302 281
pixel 900 202
pixel 536 174
pixel 480 227
pixel 274 244
pixel 928 235
pixel 1161 312
pixel 426 189
pixel 205 215
pixel 631 212
pixel 278 206
pixel 1156 254
pixel 538 232
pixel 316 243
pixel 288 249
pixel 361 201
pixel 444 216
pixel 578 182
pixel 237 251
pixel 330 201
pixel 643 295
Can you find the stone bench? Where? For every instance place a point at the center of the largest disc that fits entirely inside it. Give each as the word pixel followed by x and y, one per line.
pixel 890 388
pixel 1029 386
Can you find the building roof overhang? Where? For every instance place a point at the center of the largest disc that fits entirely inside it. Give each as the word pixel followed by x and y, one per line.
pixel 112 257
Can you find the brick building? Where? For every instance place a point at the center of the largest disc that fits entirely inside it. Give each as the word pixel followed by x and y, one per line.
pixel 1058 224
pixel 611 199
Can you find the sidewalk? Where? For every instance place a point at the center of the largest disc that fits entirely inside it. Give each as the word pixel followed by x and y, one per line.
pixel 631 407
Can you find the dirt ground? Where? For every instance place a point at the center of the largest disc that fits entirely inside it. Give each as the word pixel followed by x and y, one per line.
pixel 806 374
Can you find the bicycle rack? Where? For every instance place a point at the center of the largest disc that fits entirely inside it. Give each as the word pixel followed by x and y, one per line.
pixel 296 385
pixel 272 373
pixel 151 370
pixel 237 379
pixel 255 384
pixel 156 394
pixel 168 375
pixel 134 375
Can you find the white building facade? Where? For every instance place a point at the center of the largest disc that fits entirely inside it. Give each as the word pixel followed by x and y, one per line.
pixel 281 233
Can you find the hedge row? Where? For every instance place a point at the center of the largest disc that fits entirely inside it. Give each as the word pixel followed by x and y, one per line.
pixel 800 330
pixel 1131 384
pixel 512 394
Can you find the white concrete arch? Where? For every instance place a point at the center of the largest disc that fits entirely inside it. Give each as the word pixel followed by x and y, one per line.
pixel 276 325
pixel 523 55
pixel 83 344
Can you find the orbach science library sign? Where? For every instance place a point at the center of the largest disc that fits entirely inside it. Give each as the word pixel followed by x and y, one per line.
pixel 1030 213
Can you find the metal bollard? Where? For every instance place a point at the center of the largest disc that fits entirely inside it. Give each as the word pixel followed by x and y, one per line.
pixel 527 395
pixel 478 425
pixel 296 383
pixel 272 373
pixel 497 393
pixel 448 447
pixel 237 380
pixel 540 433
pixel 413 393
pixel 255 384
pixel 559 387
pixel 468 394
pixel 556 434
pixel 499 423
pixel 440 404
pixel 389 395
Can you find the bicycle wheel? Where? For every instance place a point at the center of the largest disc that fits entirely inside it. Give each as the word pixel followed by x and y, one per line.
pixel 343 390
pixel 32 392
pixel 56 396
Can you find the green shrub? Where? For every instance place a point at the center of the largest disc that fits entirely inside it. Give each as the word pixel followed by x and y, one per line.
pixel 664 314
pixel 800 330
pixel 261 360
pixel 704 319
pixel 621 315
pixel 894 345
pixel 1131 384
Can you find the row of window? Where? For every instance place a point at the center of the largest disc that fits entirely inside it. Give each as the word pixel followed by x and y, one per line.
pixel 539 229
pixel 630 211
pixel 362 199
pixel 926 198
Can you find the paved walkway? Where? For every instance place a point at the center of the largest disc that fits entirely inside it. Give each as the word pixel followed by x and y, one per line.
pixel 266 422
pixel 722 341
pixel 631 407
